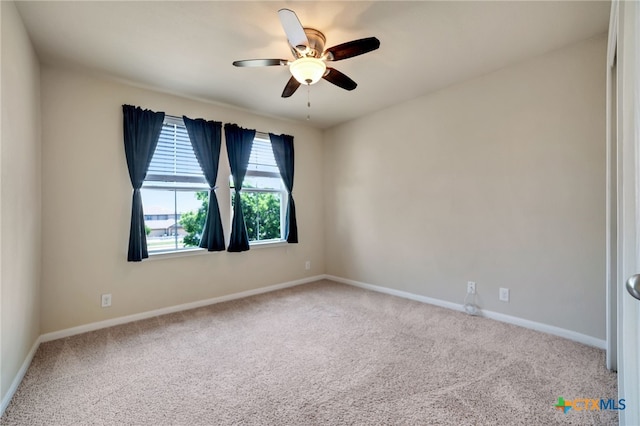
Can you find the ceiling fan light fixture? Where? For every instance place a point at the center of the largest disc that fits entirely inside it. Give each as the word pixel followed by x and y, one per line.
pixel 308 70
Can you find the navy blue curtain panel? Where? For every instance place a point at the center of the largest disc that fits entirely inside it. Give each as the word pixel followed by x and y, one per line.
pixel 239 142
pixel 141 132
pixel 206 138
pixel 283 152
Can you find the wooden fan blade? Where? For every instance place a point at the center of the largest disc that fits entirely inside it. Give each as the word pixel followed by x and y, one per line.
pixel 293 28
pixel 260 62
pixel 291 87
pixel 339 79
pixel 352 48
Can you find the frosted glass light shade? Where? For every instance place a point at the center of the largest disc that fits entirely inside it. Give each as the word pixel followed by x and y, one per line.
pixel 308 70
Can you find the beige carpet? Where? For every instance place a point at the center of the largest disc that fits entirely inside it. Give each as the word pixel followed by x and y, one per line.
pixel 317 354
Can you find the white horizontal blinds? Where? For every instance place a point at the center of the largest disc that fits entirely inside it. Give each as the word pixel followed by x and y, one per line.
pixel 174 159
pixel 261 158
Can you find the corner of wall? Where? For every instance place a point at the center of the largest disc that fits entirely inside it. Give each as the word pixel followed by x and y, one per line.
pixel 20 205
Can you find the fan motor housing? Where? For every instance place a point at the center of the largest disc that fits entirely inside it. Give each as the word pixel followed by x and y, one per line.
pixel 316 44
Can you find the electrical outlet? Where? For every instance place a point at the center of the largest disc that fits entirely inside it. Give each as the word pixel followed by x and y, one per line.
pixel 106 300
pixel 504 294
pixel 307 265
pixel 471 287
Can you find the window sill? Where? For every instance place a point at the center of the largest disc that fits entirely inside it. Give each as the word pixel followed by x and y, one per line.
pixel 201 251
pixel 179 253
pixel 266 244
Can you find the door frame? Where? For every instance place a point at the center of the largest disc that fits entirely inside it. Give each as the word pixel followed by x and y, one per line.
pixel 626 137
pixel 612 267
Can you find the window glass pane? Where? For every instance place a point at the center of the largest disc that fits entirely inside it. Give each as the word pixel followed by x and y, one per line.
pixel 176 185
pixel 262 182
pixel 194 206
pixel 261 158
pixel 172 218
pixel 174 159
pixel 263 194
pixel 262 214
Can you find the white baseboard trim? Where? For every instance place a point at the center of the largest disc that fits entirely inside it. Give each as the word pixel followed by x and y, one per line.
pixel 171 309
pixel 19 376
pixel 533 325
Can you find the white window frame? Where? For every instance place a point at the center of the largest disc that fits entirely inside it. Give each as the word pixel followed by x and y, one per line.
pixel 175 183
pixel 282 193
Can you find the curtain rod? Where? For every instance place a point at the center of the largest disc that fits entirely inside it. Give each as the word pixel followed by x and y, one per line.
pixel 264 135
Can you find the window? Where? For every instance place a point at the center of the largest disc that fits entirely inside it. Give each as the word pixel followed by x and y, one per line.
pixel 174 193
pixel 263 194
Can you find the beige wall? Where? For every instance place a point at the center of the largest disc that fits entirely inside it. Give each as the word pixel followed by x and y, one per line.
pixel 87 205
pixel 20 194
pixel 499 180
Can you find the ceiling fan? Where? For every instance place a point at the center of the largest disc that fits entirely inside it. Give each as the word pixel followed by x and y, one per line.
pixel 310 63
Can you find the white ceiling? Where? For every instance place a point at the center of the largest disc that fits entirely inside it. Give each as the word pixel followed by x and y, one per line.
pixel 188 47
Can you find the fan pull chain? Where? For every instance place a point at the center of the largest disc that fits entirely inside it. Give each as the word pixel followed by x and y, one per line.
pixel 309 101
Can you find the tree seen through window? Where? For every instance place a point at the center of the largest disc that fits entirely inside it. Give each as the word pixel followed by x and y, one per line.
pixel 261 212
